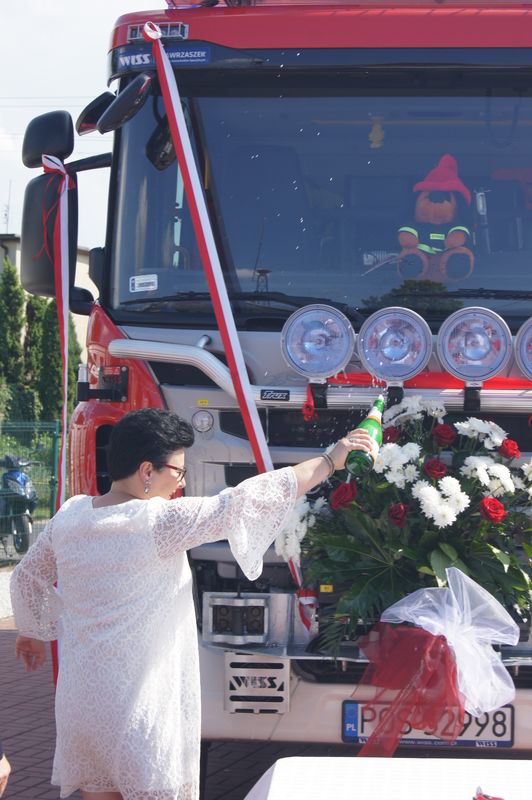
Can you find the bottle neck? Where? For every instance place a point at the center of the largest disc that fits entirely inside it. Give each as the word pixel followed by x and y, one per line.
pixel 375 413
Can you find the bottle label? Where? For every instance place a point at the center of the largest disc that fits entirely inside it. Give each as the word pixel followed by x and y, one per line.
pixel 374 452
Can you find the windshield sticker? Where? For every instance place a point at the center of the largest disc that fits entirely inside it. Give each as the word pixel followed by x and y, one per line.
pixel 143 283
pixel 189 55
pixel 179 54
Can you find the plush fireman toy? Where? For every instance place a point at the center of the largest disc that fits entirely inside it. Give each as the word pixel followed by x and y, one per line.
pixel 434 245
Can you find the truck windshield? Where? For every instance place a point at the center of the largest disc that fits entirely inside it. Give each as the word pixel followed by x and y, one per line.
pixel 312 186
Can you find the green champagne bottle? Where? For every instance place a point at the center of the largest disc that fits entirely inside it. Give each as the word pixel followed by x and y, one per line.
pixel 359 462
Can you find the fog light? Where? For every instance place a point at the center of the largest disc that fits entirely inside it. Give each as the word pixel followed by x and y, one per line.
pixel 394 344
pixel 474 344
pixel 317 341
pixel 523 348
pixel 202 421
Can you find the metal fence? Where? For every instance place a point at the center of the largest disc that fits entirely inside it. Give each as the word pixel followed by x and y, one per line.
pixel 20 443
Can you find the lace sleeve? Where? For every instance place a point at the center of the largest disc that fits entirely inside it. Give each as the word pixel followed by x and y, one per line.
pixel 36 603
pixel 250 516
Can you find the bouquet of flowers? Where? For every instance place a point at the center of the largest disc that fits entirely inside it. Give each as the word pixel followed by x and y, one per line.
pixel 440 495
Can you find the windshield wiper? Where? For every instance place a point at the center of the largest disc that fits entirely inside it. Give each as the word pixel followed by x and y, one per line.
pixel 296 301
pixel 500 294
pixel 168 298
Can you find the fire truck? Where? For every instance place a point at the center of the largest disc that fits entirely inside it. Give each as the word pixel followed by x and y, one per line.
pixel 314 127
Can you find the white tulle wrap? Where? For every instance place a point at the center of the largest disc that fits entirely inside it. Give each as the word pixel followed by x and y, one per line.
pixel 471 620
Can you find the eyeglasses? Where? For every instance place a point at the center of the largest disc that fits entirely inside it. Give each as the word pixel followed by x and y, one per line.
pixel 181 471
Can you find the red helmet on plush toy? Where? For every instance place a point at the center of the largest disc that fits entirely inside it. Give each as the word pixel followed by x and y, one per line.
pixel 444 178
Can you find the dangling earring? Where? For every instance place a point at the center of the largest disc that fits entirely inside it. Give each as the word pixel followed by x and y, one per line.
pixel 146 487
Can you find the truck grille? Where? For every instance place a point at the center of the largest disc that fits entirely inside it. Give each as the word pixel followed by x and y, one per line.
pixel 287 428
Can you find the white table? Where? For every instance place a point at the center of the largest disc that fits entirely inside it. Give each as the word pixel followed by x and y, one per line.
pixel 346 778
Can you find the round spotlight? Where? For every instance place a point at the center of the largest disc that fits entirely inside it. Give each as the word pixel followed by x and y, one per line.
pixel 202 421
pixel 317 341
pixel 523 348
pixel 394 344
pixel 474 344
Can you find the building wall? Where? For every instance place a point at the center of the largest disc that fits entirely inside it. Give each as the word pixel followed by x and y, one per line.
pixel 10 244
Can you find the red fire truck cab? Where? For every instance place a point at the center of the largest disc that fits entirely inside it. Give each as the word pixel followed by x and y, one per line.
pixel 314 127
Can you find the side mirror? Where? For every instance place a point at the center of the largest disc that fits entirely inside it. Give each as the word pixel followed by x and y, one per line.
pixel 51 133
pixel 88 119
pixel 37 240
pixel 126 104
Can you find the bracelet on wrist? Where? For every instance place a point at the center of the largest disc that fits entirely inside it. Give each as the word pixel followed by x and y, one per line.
pixel 330 464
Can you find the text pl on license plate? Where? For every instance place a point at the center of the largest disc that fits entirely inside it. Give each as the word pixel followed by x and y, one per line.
pixel 494 729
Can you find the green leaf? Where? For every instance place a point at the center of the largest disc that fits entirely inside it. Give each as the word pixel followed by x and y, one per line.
pixel 504 558
pixel 528 549
pixel 439 562
pixel 449 550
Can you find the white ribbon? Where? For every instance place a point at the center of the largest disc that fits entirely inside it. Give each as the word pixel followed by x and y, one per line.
pixel 471 620
pixel 54 165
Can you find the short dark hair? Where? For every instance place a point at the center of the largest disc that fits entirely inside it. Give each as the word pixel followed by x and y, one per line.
pixel 149 434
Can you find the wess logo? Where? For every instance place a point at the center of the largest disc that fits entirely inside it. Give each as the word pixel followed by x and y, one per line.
pixel 255 682
pixel 280 395
pixel 137 60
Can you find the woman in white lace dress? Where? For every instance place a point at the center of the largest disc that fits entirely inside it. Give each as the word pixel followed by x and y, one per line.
pixel 127 701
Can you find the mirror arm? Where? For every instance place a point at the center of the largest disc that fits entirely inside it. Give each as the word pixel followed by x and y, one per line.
pixel 92 162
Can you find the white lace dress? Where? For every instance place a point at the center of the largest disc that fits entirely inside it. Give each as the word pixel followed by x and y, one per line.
pixel 127 701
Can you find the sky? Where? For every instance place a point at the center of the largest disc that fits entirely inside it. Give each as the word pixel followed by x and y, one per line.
pixel 54 56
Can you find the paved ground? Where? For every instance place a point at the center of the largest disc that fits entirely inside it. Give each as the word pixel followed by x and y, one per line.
pixel 28 731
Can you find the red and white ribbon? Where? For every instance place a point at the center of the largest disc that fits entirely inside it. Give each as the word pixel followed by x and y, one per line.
pixel 211 261
pixel 55 166
pixel 207 248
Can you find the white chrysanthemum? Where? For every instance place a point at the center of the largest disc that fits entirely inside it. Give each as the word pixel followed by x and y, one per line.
pixel 457 500
pixel 412 451
pixel 410 408
pixel 527 469
pixel 435 409
pixel 503 476
pixel 518 482
pixel 288 543
pixel 443 505
pixel 477 467
pixel 411 473
pixel 397 477
pixel 489 433
pixel 318 504
pixel 443 515
pixel 387 456
pixel 419 487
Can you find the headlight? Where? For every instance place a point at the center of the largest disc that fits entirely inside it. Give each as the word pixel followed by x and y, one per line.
pixel 523 348
pixel 474 344
pixel 202 421
pixel 317 341
pixel 394 344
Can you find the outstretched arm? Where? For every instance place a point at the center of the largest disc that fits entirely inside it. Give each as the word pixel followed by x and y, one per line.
pixel 314 471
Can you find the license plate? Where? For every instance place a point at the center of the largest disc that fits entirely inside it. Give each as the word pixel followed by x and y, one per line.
pixel 494 729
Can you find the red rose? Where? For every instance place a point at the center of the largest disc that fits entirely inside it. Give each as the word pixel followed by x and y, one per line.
pixel 435 468
pixel 492 509
pixel 343 495
pixel 391 434
pixel 397 514
pixel 444 434
pixel 510 449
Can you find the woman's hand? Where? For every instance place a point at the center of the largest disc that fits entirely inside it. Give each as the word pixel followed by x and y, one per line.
pixel 314 471
pixel 5 769
pixel 359 439
pixel 31 651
